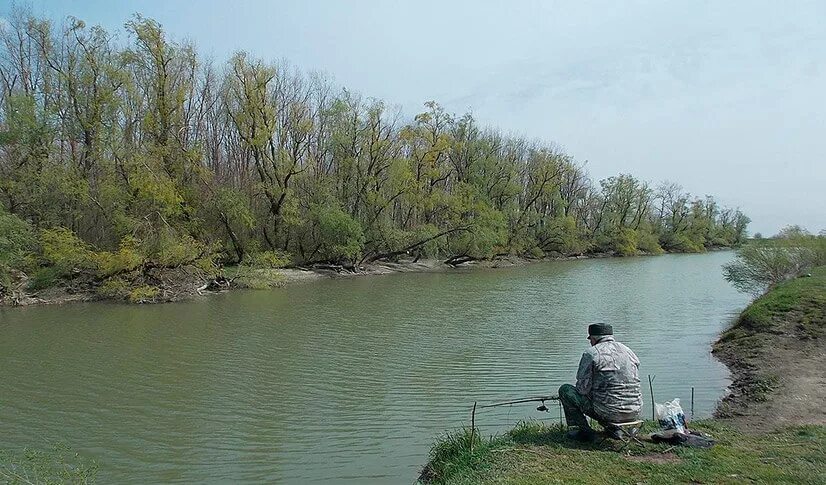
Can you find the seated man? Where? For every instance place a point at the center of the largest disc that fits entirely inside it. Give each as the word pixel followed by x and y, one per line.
pixel 607 385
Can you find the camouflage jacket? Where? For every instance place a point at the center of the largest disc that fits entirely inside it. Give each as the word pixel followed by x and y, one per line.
pixel 609 376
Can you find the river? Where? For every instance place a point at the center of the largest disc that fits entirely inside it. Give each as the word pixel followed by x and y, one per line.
pixel 347 380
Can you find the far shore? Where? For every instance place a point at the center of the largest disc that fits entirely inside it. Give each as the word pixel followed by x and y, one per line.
pixel 184 286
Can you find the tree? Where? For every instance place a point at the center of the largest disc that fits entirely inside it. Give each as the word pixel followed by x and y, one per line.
pixel 767 262
pixel 143 157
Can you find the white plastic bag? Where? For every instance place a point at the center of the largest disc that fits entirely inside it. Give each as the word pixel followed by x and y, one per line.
pixel 670 415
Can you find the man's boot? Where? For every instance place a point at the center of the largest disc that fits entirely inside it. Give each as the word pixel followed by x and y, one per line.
pixel 584 434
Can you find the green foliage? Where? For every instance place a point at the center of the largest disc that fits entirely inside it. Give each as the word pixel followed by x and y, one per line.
pixel 255 278
pixel 137 155
pixel 451 455
pixel 64 251
pixel 682 243
pixel 25 130
pixel 802 299
pixel 648 242
pixel 127 258
pixel 762 264
pixel 17 245
pixel 624 242
pixel 45 277
pixel 267 259
pixel 485 232
pixel 424 232
pixel 339 235
pixel 563 236
pixel 56 465
pixel 115 288
pixel 17 240
pixel 169 249
pixel 143 294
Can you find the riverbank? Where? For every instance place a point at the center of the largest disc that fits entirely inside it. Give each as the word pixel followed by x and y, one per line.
pixel 183 283
pixel 769 428
pixel 165 285
pixel 775 352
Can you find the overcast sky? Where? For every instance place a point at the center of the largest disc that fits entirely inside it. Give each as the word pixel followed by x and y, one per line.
pixel 725 98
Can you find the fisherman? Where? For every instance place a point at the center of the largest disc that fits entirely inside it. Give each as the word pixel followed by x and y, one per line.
pixel 607 386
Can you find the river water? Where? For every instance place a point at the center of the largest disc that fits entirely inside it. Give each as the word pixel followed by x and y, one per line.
pixel 343 381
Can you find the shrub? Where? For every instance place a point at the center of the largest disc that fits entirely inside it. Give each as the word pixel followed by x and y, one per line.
pixel 45 277
pixel 127 258
pixel 63 250
pixel 170 250
pixel 562 235
pixel 624 242
pixel 17 241
pixel 420 233
pixel 487 233
pixel 648 242
pixel 143 294
pixel 115 288
pixel 759 266
pixel 175 251
pixel 340 236
pixel 683 243
pixel 267 259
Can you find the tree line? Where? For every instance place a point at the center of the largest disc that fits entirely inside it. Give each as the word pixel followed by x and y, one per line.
pixel 119 155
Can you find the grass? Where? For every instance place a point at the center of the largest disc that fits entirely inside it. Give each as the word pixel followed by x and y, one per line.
pixel 802 299
pixel 255 278
pixel 56 465
pixel 791 315
pixel 537 453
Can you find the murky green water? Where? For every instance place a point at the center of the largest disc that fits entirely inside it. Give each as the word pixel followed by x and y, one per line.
pixel 342 380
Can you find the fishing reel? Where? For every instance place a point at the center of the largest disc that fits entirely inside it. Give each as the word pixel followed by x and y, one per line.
pixel 543 407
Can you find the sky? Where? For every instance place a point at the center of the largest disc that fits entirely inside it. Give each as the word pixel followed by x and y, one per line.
pixel 725 98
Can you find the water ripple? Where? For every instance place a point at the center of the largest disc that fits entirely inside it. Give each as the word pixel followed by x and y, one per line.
pixel 344 381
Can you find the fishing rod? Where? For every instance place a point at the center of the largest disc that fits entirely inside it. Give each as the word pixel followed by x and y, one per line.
pixel 540 399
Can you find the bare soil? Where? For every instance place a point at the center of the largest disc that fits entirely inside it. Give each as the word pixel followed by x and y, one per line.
pixel 779 375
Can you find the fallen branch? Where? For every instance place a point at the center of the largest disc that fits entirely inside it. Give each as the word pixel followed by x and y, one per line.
pixel 413 246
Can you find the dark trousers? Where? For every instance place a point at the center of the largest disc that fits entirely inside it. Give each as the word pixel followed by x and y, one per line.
pixel 576 407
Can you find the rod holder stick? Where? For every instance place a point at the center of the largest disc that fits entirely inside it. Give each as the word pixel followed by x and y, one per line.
pixel 651 388
pixel 692 404
pixel 472 426
pixel 560 411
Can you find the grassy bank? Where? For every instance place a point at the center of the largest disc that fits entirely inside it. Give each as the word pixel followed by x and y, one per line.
pixel 774 351
pixel 536 453
pixel 769 429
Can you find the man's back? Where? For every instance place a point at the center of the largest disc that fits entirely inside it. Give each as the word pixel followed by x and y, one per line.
pixel 611 372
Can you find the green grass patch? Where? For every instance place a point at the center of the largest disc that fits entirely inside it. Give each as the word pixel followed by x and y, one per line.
pixel 801 301
pixel 56 465
pixel 537 453
pixel 45 278
pixel 255 278
pixel 143 294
